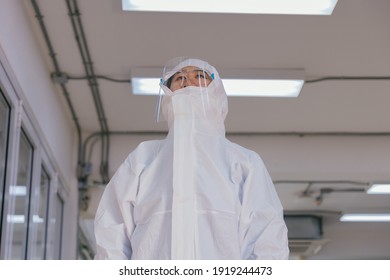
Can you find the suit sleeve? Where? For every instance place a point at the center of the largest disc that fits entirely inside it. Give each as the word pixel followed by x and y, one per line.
pixel 262 229
pixel 114 222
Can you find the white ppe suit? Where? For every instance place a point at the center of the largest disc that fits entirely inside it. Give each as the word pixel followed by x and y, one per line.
pixel 193 195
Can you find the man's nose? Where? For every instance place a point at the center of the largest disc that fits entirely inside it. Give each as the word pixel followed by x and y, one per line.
pixel 188 82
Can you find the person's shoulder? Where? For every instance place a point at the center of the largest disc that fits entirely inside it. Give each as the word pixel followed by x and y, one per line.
pixel 141 156
pixel 149 145
pixel 245 154
pixel 145 151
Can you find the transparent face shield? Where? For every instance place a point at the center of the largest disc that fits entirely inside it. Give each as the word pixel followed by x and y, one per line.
pixel 185 72
pixel 189 76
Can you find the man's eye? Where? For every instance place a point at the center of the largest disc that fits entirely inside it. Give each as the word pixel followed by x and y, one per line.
pixel 201 75
pixel 178 78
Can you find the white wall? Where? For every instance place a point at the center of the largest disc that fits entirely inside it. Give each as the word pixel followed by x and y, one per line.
pixel 26 65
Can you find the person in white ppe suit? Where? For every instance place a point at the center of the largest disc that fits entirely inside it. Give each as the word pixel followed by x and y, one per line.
pixel 194 194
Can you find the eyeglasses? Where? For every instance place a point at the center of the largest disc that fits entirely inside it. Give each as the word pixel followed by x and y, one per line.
pixel 189 76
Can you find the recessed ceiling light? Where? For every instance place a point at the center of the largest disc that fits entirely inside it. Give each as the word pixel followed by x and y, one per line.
pixel 295 7
pixel 379 189
pixel 365 218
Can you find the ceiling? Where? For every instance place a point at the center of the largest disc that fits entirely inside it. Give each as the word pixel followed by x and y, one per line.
pixel 353 43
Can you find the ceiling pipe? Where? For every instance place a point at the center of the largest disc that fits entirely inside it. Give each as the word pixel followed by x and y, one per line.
pixel 357 78
pixel 74 14
pixel 294 134
pixel 83 168
pixel 57 69
pixel 319 194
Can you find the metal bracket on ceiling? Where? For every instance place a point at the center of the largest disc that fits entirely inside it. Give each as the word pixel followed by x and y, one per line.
pixel 59 78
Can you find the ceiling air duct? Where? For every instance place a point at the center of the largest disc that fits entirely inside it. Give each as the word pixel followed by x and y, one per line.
pixel 305 235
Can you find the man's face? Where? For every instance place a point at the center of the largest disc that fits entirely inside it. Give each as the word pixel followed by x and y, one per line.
pixel 190 76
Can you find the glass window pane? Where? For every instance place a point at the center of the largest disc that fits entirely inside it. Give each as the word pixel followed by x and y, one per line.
pixel 18 219
pixel 39 220
pixel 58 228
pixel 4 128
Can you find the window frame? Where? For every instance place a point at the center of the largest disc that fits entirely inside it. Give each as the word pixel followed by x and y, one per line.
pixel 21 117
pixel 7 143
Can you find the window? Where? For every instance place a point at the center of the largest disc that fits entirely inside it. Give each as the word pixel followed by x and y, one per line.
pixel 4 128
pixel 58 227
pixel 40 218
pixel 33 200
pixel 20 194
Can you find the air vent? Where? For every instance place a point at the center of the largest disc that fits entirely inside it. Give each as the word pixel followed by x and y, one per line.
pixel 305 235
pixel 304 248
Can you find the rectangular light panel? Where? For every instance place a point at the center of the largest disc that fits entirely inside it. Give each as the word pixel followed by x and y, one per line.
pixel 145 86
pixel 292 7
pixel 379 189
pixel 233 87
pixel 263 88
pixel 365 218
pixel 237 82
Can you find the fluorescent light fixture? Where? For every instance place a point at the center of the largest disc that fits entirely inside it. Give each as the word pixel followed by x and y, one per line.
pixel 294 7
pixel 365 218
pixel 379 189
pixel 145 86
pixel 240 82
pixel 265 88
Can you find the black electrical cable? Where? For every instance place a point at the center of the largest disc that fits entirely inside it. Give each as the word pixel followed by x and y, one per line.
pixel 312 182
pixel 347 78
pixel 322 79
pixel 324 190
pixel 128 81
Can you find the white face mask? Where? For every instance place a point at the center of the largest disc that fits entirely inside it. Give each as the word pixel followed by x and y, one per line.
pixel 202 107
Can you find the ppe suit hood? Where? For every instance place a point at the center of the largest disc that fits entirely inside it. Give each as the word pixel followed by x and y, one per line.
pixel 204 104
